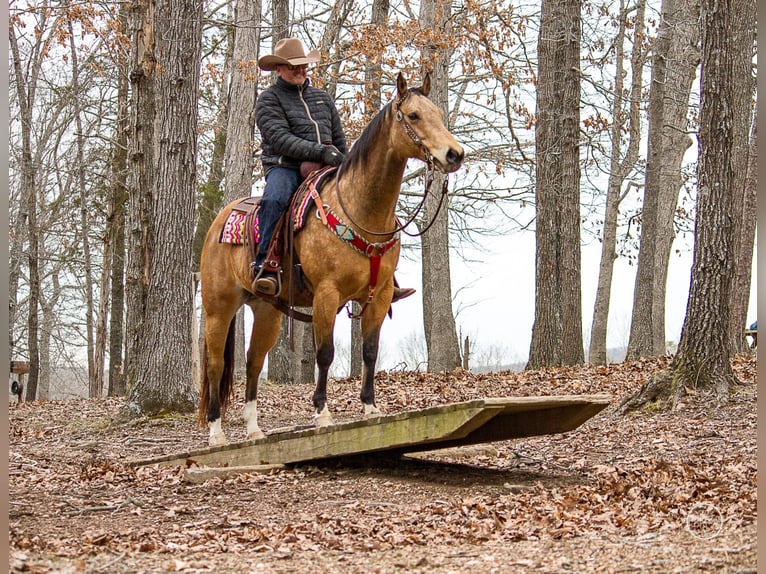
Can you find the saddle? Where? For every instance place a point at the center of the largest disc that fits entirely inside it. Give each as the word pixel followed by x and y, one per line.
pixel 242 227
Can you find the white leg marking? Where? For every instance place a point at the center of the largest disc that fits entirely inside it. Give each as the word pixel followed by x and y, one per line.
pixel 371 410
pixel 323 419
pixel 217 438
pixel 251 417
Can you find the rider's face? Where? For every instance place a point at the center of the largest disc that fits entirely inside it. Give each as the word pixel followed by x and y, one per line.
pixel 293 74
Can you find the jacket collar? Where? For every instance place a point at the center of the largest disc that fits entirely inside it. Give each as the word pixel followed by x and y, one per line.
pixel 292 87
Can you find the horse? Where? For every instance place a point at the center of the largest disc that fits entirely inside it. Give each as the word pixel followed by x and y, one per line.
pixel 362 198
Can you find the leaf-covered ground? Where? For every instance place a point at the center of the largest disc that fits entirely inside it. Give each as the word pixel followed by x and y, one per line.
pixel 662 492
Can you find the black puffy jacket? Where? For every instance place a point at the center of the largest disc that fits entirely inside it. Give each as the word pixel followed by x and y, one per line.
pixel 296 122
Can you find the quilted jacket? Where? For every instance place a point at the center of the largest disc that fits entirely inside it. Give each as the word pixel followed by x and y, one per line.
pixel 296 122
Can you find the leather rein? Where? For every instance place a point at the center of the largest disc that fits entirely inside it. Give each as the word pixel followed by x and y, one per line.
pixel 430 173
pixel 374 251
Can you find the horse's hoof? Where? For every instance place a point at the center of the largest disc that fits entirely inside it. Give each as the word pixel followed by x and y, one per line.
pixel 218 440
pixel 323 419
pixel 371 411
pixel 256 435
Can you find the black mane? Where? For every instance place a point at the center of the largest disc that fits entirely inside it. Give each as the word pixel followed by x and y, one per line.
pixel 361 147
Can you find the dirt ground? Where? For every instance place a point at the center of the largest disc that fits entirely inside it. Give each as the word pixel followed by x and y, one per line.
pixel 650 492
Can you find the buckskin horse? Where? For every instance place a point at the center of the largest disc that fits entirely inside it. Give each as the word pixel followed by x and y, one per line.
pixel 348 252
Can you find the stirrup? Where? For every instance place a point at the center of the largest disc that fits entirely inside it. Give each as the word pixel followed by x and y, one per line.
pixel 270 285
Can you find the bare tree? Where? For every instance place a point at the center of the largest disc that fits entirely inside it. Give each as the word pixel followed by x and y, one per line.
pixel 25 78
pixel 165 78
pixel 114 237
pixel 557 330
pixel 704 352
pixel 621 164
pixel 741 291
pixel 438 318
pixel 674 62
pixel 743 157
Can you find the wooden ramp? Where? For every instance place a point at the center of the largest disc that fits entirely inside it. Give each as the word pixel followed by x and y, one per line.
pixel 456 424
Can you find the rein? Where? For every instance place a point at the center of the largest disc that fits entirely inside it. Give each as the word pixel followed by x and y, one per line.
pixel 374 251
pixel 430 172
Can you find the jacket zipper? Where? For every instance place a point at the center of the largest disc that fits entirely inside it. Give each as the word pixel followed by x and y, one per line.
pixel 308 113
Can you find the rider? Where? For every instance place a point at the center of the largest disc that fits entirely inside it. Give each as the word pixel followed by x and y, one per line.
pixel 298 123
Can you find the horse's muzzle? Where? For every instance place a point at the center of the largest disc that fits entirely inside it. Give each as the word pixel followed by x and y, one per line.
pixel 453 159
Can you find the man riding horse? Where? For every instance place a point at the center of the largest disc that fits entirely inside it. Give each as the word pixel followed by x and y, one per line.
pixel 300 131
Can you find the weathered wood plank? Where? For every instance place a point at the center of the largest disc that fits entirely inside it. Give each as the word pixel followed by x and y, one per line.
pixel 470 422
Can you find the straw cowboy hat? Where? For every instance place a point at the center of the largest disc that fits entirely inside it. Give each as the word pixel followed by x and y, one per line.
pixel 288 51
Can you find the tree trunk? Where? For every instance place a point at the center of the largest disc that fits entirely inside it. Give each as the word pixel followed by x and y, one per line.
pixel 744 261
pixel 673 69
pixel 140 156
pixel 168 52
pixel 438 319
pixel 681 70
pixel 742 153
pixel 704 352
pixel 239 160
pixel 557 329
pixel 95 373
pixel 115 226
pixel 619 170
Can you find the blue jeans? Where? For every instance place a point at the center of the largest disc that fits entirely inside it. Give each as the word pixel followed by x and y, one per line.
pixel 281 184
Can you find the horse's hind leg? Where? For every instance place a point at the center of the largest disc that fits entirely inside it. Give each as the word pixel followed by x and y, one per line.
pixel 266 325
pixel 218 376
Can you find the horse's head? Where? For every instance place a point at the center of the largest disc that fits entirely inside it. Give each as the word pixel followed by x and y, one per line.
pixel 423 122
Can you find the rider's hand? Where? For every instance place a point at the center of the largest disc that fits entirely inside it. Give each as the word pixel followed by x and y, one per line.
pixel 332 155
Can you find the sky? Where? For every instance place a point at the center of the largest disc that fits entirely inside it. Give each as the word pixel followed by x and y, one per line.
pixel 495 299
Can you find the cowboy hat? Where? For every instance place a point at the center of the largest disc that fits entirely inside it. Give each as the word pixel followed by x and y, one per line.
pixel 288 51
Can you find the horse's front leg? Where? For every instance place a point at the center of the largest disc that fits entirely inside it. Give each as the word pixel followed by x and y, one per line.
pixel 372 319
pixel 369 358
pixel 325 308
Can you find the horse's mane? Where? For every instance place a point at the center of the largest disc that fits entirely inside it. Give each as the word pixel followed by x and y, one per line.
pixel 361 147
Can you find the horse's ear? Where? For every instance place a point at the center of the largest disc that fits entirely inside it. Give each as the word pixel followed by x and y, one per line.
pixel 426 87
pixel 401 85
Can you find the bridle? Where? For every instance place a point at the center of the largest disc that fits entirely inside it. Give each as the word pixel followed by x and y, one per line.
pixel 430 173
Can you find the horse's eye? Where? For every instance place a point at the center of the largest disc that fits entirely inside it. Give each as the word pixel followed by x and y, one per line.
pixel 412 116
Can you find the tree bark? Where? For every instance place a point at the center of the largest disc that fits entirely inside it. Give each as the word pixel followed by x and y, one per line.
pixel 438 318
pixel 167 57
pixel 742 153
pixel 673 69
pixel 557 329
pixel 704 352
pixel 683 61
pixel 620 167
pixel 741 291
pixel 115 226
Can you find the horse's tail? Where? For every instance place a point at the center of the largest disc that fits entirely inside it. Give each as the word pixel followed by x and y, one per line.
pixel 226 384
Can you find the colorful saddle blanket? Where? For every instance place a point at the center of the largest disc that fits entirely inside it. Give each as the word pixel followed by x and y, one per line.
pixel 244 216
